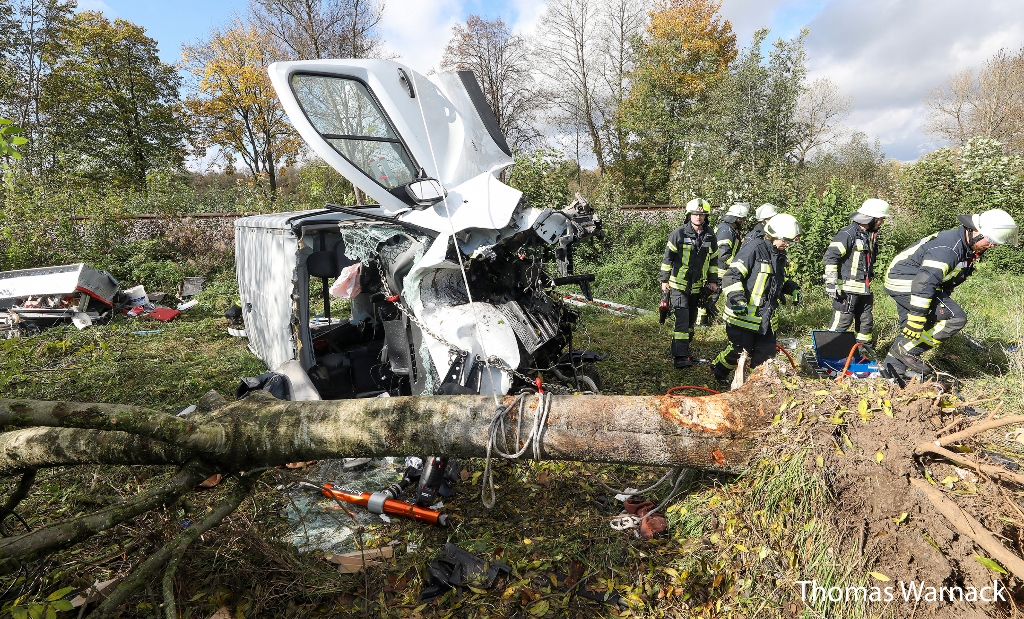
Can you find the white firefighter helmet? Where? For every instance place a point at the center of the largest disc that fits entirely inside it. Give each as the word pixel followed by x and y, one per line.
pixel 783 226
pixel 740 210
pixel 766 211
pixel 995 225
pixel 698 205
pixel 873 208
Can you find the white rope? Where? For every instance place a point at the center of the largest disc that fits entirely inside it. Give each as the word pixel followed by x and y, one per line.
pixel 532 439
pixel 458 251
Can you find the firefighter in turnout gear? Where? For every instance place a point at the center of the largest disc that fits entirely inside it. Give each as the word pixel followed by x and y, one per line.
pixel 762 215
pixel 850 267
pixel 753 287
pixel 921 279
pixel 688 270
pixel 728 239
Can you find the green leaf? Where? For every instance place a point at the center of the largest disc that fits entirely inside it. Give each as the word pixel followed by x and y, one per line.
pixel 58 594
pixel 63 605
pixel 19 612
pixel 539 609
pixel 990 564
pixel 18 140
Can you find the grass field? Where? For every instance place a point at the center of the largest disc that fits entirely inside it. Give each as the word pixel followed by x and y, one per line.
pixel 736 547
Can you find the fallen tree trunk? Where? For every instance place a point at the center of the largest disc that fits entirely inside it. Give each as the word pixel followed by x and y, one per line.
pixel 712 432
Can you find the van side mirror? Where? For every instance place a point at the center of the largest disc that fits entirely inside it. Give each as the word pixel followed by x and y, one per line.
pixel 426 191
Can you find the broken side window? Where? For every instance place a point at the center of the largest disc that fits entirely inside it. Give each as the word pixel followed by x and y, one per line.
pixel 346 115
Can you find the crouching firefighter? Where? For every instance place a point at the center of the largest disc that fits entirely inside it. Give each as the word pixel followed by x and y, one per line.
pixel 850 267
pixel 921 279
pixel 753 287
pixel 729 239
pixel 688 269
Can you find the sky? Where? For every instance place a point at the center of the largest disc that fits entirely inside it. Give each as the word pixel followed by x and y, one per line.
pixel 886 54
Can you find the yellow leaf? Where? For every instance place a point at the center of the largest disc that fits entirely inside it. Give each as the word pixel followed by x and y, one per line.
pixel 671 572
pixel 879 576
pixel 887 407
pixel 948 480
pixel 475 590
pixel 900 519
pixel 879 457
pixel 819 461
pixel 862 406
pixel 761 554
pixel 741 547
pixel 527 541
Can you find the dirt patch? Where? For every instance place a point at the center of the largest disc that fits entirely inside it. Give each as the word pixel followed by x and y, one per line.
pixel 864 434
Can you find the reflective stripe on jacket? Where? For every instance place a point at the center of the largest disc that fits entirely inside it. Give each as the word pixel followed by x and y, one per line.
pixel 758 272
pixel 690 259
pixel 851 256
pixel 941 261
pixel 728 244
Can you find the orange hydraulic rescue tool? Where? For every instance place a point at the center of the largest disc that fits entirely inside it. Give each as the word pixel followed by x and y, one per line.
pixel 379 503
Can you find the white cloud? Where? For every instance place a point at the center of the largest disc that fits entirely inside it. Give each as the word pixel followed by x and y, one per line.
pixel 417 31
pixel 889 55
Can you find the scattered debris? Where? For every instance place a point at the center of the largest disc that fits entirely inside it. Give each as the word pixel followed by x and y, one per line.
pixel 137 296
pixel 352 562
pixel 187 305
pixel 163 314
pixel 94 593
pixel 190 287
pixel 460 568
pixel 34 299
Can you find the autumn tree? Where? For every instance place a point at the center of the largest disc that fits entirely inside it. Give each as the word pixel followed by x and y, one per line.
pixel 113 105
pixel 316 29
pixel 988 104
pixel 500 60
pixel 686 50
pixel 233 104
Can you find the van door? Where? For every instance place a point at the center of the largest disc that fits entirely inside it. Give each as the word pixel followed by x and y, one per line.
pixel 382 125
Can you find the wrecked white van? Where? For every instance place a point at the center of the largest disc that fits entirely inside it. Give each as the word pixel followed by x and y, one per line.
pixel 455 293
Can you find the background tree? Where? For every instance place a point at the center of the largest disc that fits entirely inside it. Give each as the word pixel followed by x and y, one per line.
pixel 745 129
pixel 315 29
pixel 501 62
pixel 113 105
pixel 820 110
pixel 986 104
pixel 566 49
pixel 621 24
pixel 34 31
pixel 687 49
pixel 233 103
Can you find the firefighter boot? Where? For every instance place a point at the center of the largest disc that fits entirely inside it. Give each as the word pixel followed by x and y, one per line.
pixel 721 374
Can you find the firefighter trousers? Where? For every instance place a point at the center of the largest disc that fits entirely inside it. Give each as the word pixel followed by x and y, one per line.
pixel 944 320
pixel 760 346
pixel 684 306
pixel 854 310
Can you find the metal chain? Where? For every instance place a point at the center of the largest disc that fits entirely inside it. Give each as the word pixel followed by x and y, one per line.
pixel 490 362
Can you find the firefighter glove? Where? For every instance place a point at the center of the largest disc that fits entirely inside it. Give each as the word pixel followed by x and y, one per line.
pixel 915 325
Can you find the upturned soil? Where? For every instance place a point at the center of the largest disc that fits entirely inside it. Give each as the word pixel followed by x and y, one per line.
pixel 862 436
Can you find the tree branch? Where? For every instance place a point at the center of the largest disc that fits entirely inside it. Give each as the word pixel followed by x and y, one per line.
pixel 54 537
pixel 970 527
pixel 136 420
pixel 49 447
pixel 19 494
pixel 173 551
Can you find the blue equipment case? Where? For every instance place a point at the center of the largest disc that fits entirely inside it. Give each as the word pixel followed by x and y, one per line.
pixel 830 351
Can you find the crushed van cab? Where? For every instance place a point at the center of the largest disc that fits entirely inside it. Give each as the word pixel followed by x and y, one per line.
pixel 451 275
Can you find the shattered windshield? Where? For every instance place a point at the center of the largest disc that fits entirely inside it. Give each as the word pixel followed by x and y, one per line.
pixel 344 113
